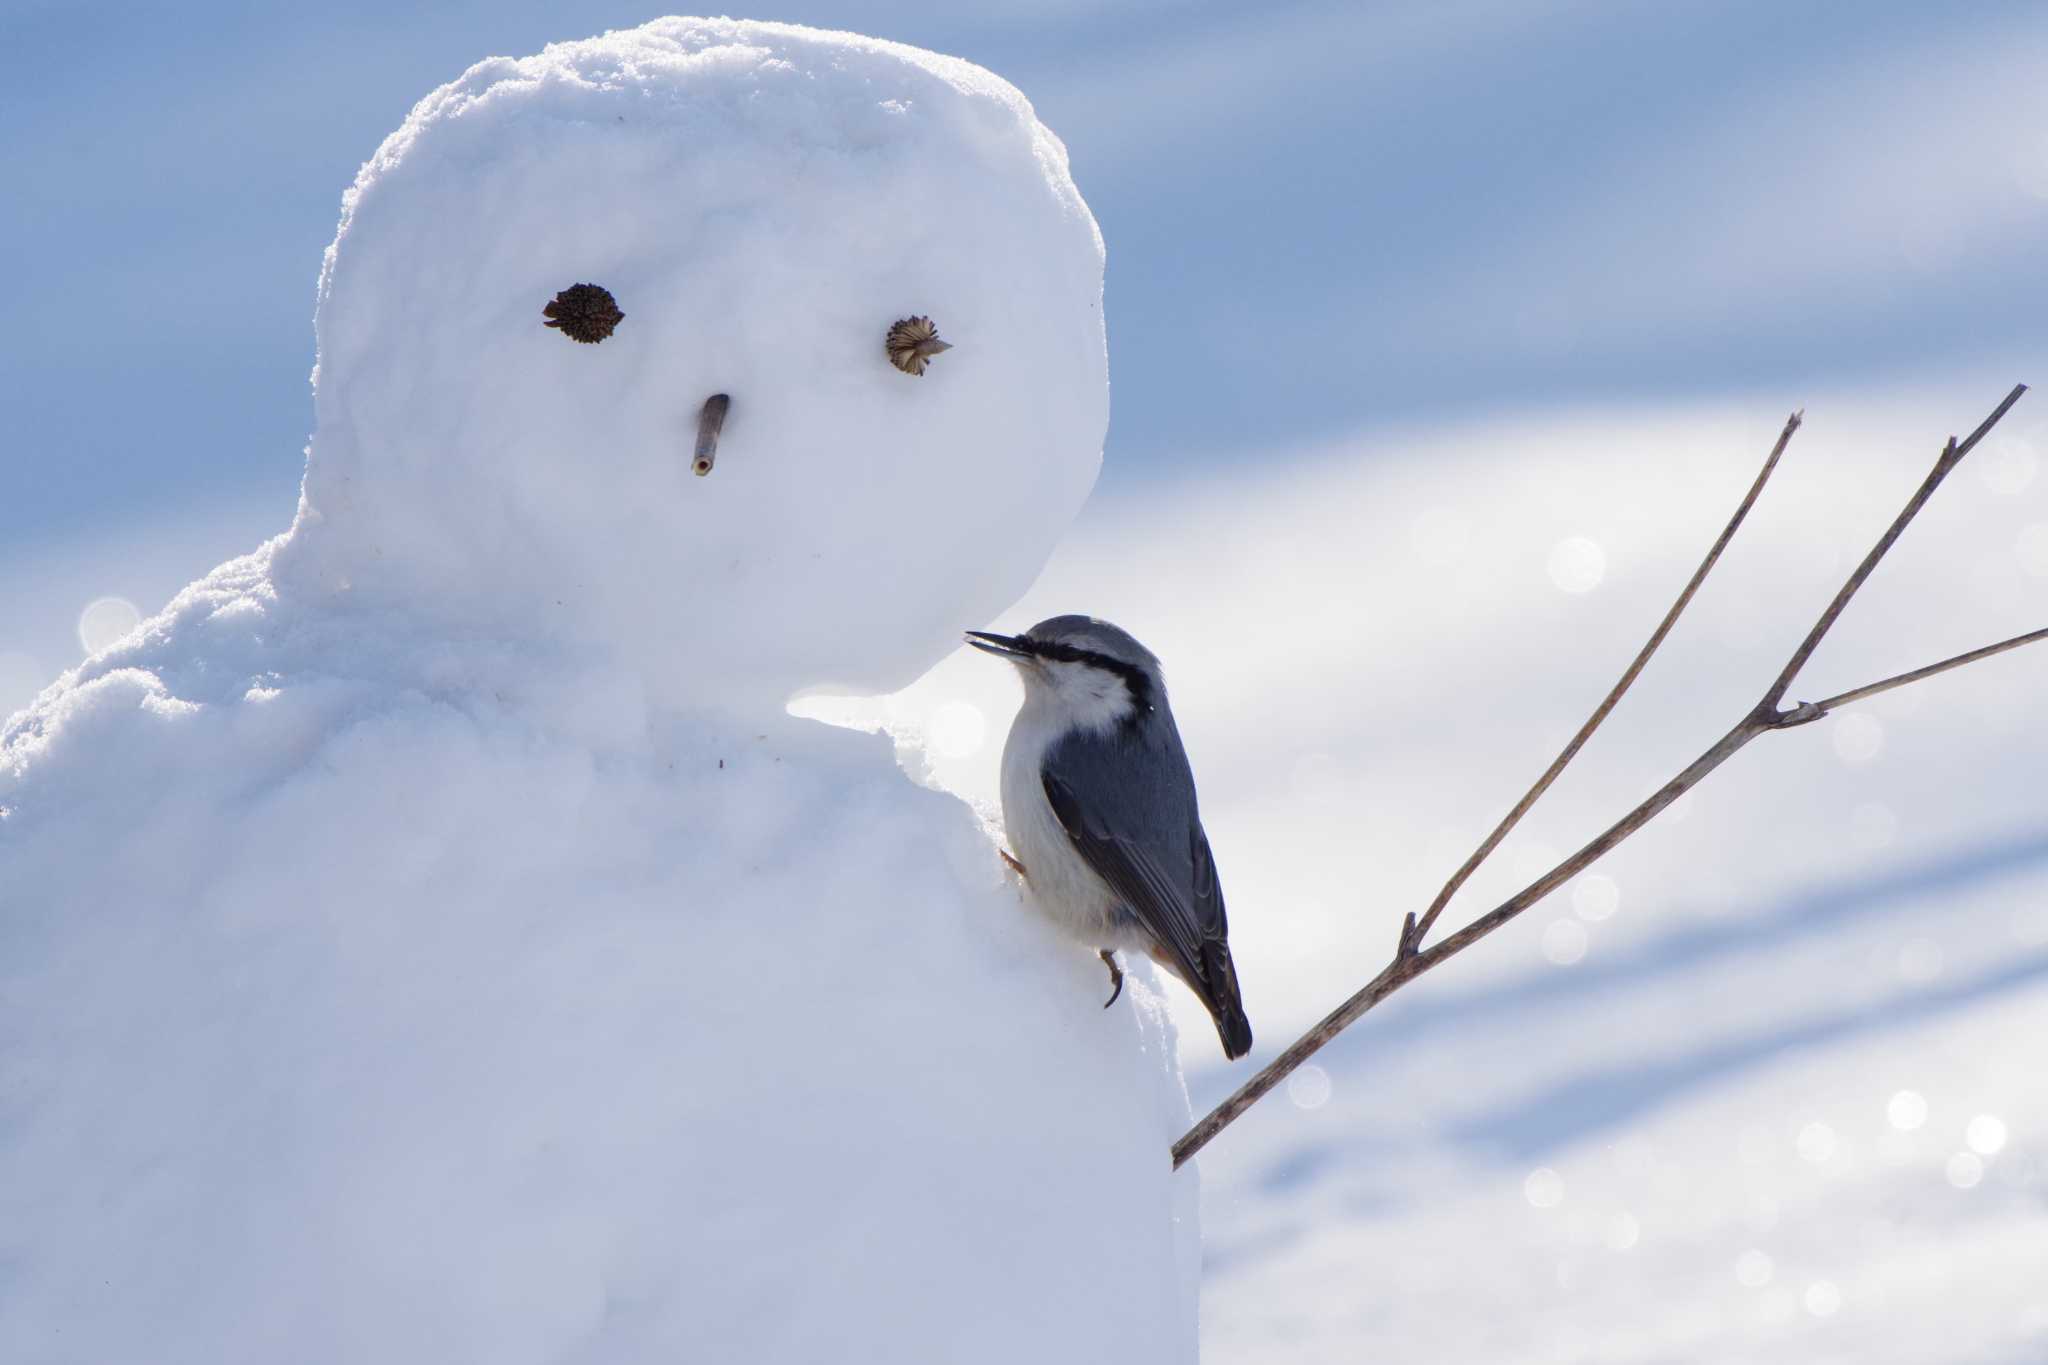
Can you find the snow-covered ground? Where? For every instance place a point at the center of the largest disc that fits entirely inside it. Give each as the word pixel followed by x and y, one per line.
pixel 1770 1086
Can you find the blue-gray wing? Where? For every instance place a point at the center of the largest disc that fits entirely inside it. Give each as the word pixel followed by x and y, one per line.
pixel 1129 808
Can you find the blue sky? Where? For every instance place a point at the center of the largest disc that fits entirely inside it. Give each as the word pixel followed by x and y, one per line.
pixel 1320 216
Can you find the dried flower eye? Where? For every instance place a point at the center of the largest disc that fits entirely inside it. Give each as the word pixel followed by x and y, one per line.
pixel 912 342
pixel 584 312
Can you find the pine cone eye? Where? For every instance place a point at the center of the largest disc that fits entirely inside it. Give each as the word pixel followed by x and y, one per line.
pixel 584 312
pixel 912 342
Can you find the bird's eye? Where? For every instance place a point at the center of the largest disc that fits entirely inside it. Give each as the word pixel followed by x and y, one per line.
pixel 912 342
pixel 584 312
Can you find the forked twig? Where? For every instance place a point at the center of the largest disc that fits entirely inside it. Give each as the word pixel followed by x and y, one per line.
pixel 1412 960
pixel 1951 456
pixel 1412 931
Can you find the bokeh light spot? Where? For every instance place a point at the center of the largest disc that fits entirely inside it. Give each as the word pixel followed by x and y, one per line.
pixel 1822 1298
pixel 1564 941
pixel 1907 1110
pixel 1309 1087
pixel 1965 1169
pixel 1985 1135
pixel 104 621
pixel 1543 1188
pixel 1576 564
pixel 1595 897
pixel 956 729
pixel 1754 1269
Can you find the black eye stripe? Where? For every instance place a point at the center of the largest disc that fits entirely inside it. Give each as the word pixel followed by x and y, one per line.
pixel 1134 678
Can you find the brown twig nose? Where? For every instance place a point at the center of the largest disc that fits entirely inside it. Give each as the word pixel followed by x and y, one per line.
pixel 710 423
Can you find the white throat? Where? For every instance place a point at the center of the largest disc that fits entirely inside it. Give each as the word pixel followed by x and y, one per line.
pixel 1074 696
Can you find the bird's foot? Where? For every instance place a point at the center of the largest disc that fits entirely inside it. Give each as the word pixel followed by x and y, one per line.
pixel 1015 866
pixel 1116 977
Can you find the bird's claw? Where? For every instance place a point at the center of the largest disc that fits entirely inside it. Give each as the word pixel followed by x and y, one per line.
pixel 1116 977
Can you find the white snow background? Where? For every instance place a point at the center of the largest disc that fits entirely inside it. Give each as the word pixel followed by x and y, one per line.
pixel 1772 1089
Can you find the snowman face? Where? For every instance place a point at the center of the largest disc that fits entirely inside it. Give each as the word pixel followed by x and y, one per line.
pixel 762 206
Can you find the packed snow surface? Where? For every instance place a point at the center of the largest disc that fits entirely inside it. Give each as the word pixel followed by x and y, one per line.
pixel 430 938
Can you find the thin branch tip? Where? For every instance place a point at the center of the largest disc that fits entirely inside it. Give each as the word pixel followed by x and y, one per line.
pixel 1984 427
pixel 1930 670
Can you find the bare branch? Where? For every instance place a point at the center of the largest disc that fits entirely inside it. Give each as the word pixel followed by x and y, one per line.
pixel 1411 961
pixel 1412 931
pixel 1872 689
pixel 1951 456
pixel 1405 968
pixel 1724 749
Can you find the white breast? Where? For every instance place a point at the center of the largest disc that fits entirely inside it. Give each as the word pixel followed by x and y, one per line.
pixel 1059 884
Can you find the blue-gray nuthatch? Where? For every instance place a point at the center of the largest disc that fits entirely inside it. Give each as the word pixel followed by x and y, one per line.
pixel 1099 804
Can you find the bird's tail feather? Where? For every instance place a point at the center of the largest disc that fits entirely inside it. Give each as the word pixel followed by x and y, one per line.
pixel 1226 1006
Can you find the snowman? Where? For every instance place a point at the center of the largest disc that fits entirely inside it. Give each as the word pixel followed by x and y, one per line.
pixel 432 937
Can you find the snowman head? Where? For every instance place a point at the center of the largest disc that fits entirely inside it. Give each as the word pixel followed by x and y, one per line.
pixel 762 204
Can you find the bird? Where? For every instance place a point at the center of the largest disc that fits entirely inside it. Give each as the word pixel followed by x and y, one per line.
pixel 1099 805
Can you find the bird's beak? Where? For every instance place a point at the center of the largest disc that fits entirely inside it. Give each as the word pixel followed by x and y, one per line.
pixel 710 422
pixel 1006 646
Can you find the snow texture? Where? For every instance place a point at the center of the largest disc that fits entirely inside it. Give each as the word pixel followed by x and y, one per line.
pixel 430 938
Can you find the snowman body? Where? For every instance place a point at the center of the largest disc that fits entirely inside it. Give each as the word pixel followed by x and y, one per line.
pixel 432 938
